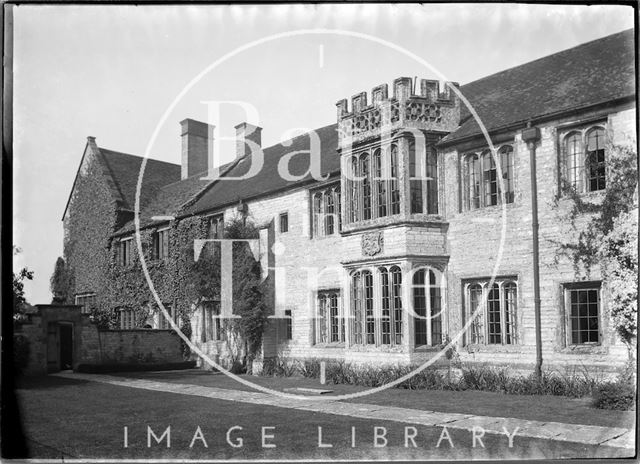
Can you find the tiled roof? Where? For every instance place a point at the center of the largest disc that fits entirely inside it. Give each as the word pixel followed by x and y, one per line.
pixel 170 199
pixel 595 72
pixel 592 73
pixel 125 169
pixel 225 192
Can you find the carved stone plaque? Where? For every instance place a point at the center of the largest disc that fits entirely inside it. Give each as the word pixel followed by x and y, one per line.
pixel 372 243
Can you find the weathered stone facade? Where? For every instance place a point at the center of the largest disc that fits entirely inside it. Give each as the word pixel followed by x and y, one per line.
pixel 377 264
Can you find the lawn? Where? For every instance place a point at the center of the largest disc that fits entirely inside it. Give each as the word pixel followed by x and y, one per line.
pixel 530 407
pixel 76 419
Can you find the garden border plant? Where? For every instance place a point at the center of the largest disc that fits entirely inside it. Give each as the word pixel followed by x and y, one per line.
pixel 572 383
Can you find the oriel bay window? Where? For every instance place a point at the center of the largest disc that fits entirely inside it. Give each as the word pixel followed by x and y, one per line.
pixel 481 185
pixel 583 156
pixel 326 211
pixel 376 305
pixel 494 322
pixel 372 184
pixel 330 326
pixel 427 306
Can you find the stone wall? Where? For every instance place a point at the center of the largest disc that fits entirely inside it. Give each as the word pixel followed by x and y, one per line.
pixel 138 346
pixel 91 346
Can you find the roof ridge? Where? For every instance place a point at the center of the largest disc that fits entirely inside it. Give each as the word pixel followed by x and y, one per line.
pixel 149 159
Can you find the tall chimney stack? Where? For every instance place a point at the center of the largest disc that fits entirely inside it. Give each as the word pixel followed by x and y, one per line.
pixel 247 132
pixel 196 139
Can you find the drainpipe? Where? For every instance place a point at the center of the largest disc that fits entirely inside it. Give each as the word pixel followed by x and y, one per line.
pixel 531 135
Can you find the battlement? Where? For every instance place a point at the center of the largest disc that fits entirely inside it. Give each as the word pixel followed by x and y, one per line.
pixel 432 109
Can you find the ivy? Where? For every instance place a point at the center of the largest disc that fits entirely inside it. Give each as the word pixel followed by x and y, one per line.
pixel 250 296
pixel 179 280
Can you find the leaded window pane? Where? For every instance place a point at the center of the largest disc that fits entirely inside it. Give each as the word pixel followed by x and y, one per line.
pixel 477 329
pixel 386 306
pixel 420 308
pixel 432 181
pixel 494 315
pixel 356 304
pixel 436 310
pixel 584 315
pixel 490 177
pixel 574 161
pixel 396 274
pixel 506 166
pixel 381 183
pixel 395 189
pixel 368 307
pixel 596 160
pixel 415 179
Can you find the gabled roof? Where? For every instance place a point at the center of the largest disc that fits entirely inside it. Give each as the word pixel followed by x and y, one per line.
pixel 225 192
pixel 592 73
pixel 170 199
pixel 121 172
pixel 194 195
pixel 125 169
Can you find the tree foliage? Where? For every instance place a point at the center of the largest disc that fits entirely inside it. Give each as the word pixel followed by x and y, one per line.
pixel 619 253
pixel 61 283
pixel 19 300
pixel 251 293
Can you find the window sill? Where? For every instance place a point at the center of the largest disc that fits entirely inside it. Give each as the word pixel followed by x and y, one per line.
pixel 594 348
pixel 597 195
pixel 426 349
pixel 378 348
pixel 492 208
pixel 479 348
pixel 329 345
pixel 325 237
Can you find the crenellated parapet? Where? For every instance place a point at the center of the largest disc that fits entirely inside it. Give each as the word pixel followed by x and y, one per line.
pixel 433 109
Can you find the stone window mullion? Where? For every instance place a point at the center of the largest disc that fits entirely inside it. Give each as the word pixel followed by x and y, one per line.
pixel 503 310
pixel 428 312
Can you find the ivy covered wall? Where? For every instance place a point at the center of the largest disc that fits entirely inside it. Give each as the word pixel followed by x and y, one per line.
pixel 88 224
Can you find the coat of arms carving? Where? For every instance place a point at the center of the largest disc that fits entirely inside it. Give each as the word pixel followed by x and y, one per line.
pixel 372 243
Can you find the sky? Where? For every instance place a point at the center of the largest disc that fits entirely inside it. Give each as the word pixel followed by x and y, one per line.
pixel 123 73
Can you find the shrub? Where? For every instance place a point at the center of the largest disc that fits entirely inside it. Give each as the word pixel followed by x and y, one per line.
pixel 284 368
pixel 237 368
pixel 618 395
pixel 484 378
pixel 310 369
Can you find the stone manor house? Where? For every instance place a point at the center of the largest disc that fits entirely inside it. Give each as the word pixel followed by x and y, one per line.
pixel 406 229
